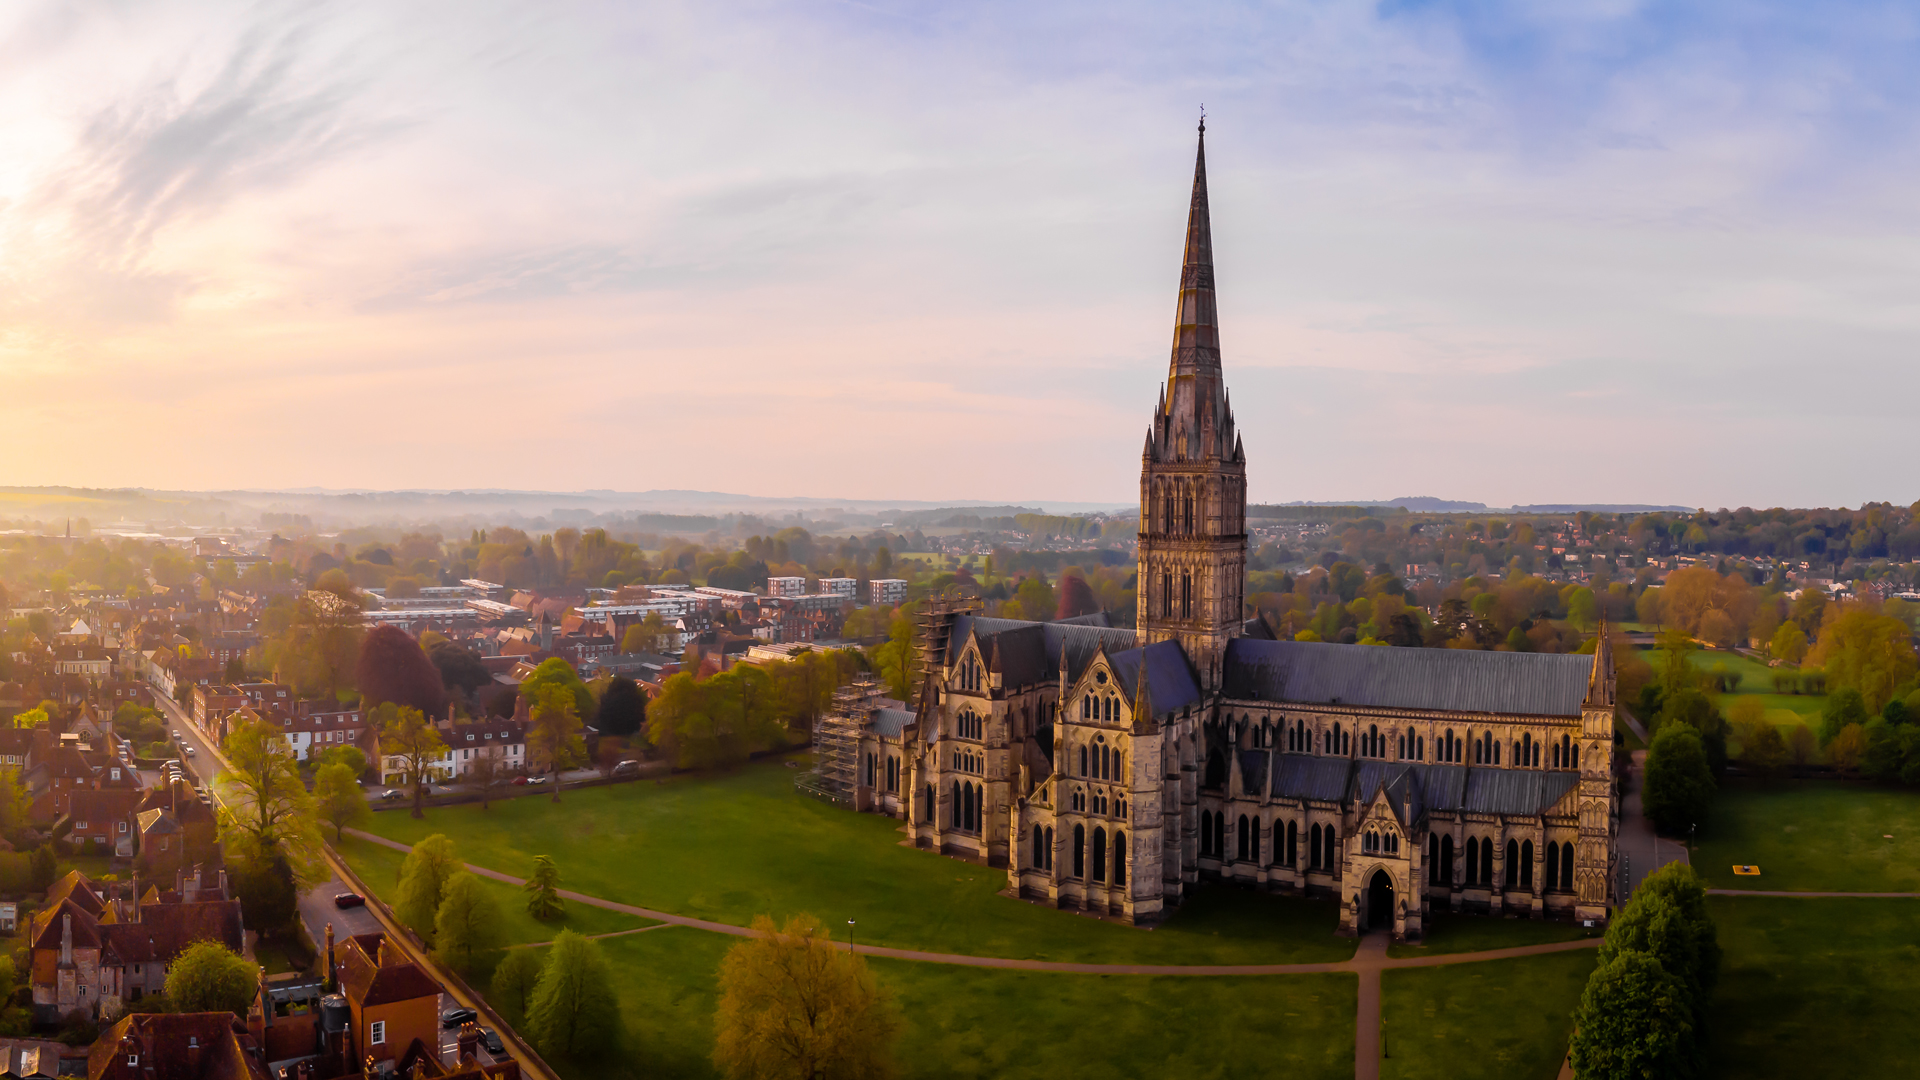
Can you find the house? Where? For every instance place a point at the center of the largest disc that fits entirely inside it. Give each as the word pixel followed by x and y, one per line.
pixel 393 1001
pixel 29 1059
pixel 100 821
pixel 90 662
pixel 212 704
pixel 504 741
pixel 176 1046
pixel 95 949
pixel 177 829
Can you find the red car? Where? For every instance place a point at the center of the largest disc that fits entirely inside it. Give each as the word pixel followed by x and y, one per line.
pixel 348 899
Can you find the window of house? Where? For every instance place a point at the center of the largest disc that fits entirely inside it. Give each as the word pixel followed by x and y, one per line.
pixel 379 1033
pixel 79 825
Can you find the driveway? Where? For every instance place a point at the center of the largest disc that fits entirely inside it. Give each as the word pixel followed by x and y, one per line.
pixel 1642 851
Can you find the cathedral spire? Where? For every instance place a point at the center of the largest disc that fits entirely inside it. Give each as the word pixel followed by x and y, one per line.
pixel 1196 334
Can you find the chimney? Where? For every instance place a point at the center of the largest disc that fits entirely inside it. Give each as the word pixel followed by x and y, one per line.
pixel 136 896
pixel 66 939
pixel 469 1043
pixel 193 1054
pixel 223 884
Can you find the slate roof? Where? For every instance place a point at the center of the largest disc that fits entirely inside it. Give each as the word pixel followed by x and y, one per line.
pixel 1415 788
pixel 889 723
pixel 1034 653
pixel 1170 681
pixel 1446 680
pixel 1253 771
pixel 165 930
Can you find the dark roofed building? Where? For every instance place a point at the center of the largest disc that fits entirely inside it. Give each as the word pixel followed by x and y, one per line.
pixel 176 1046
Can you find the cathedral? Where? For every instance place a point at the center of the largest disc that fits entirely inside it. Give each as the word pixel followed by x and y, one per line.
pixel 1110 770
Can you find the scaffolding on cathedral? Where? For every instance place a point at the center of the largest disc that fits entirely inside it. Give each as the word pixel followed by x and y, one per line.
pixel 936 624
pixel 836 743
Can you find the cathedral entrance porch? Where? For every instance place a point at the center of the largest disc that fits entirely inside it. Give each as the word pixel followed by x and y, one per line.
pixel 1379 906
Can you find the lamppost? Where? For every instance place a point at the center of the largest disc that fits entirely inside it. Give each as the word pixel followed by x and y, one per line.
pixel 850 935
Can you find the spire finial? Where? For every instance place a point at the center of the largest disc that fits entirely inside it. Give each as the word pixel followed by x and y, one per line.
pixel 1203 118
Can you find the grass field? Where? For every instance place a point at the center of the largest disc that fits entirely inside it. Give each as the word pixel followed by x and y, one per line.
pixel 732 847
pixel 1448 932
pixel 1504 1019
pixel 1813 835
pixel 1816 988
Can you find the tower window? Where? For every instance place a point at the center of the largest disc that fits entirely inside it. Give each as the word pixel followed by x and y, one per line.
pixel 1186 595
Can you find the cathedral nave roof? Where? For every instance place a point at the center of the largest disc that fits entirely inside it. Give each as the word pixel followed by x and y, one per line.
pixel 1445 680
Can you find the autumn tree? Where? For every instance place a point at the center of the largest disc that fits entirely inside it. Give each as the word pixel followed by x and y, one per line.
pixel 406 734
pixel 553 671
pixel 342 802
pixel 543 890
pixel 553 731
pixel 573 1012
pixel 1076 598
pixel 424 875
pixel 467 927
pixel 393 669
pixel 320 645
pixel 488 775
pixel 1866 651
pixel 793 1007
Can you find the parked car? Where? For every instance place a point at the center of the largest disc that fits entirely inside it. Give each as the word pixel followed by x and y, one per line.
pixel 391 794
pixel 519 781
pixel 348 899
pixel 453 1018
pixel 491 1040
pixel 538 779
pixel 176 733
pixel 188 749
pixel 628 766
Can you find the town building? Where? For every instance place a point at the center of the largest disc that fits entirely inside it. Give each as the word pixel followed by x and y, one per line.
pixel 1109 770
pixel 887 592
pixel 786 586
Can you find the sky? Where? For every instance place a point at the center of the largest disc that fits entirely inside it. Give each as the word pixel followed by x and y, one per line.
pixel 1514 253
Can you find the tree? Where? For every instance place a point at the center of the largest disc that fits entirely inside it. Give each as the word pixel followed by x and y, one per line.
pixel 209 977
pixel 573 1012
pixel 336 788
pixel 1847 748
pixel 1844 706
pixel 351 756
pixel 1765 753
pixel 46 868
pixel 405 733
pixel 1035 598
pixel 553 735
pixel 1802 744
pixel 514 979
pixel 623 708
pixel 264 884
pixel 554 671
pixel 1633 1023
pixel 266 804
pixel 1868 652
pixel 466 928
pixel 1679 784
pixel 793 1006
pixel 1669 921
pixel 393 669
pixel 1789 644
pixel 487 775
pixel 1076 598
pixel 423 883
pixel 321 644
pixel 651 635
pixel 461 669
pixel 543 890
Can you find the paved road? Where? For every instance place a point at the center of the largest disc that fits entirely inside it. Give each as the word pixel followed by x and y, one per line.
pixel 1641 848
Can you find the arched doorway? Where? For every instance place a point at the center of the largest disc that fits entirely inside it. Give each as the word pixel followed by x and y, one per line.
pixel 1380 901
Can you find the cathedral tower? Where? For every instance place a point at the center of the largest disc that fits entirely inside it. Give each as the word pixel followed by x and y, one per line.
pixel 1193 475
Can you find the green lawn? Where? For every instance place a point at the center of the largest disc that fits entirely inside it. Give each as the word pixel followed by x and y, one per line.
pixel 1813 835
pixel 1450 932
pixel 379 867
pixel 1502 1019
pixel 1756 680
pixel 733 847
pixel 1816 988
pixel 963 1022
